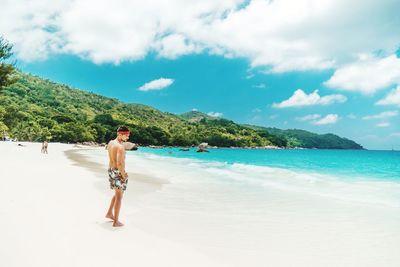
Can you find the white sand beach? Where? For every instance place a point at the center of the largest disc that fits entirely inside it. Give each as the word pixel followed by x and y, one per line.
pixel 52 214
pixel 53 208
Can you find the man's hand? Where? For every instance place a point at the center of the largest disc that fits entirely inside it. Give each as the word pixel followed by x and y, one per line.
pixel 124 176
pixel 129 146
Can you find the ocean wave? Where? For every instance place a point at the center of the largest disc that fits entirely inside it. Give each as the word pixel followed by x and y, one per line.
pixel 186 170
pixel 361 190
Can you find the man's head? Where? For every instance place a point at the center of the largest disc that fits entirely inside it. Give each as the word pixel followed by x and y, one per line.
pixel 123 133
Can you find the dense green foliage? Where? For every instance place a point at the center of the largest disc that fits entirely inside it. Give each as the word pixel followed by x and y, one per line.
pixel 35 109
pixel 301 138
pixel 5 69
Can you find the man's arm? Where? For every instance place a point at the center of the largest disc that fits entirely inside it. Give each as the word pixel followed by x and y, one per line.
pixel 121 162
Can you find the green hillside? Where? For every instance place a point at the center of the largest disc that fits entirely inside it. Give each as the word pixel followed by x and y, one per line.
pixel 305 139
pixel 36 109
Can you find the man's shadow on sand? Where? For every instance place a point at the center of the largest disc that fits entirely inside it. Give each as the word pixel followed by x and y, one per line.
pixel 139 185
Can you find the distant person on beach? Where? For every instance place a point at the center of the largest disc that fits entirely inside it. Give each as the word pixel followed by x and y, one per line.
pixel 117 175
pixel 44 147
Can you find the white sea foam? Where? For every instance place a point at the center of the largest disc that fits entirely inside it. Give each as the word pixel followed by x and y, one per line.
pixel 255 215
pixel 192 170
pixel 185 170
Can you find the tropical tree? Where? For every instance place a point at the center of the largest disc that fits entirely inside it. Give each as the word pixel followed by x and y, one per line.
pixel 5 69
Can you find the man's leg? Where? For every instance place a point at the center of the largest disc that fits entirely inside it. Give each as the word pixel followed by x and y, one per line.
pixel 110 209
pixel 117 206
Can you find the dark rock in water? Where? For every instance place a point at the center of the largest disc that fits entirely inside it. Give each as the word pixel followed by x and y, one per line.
pixel 151 146
pixel 184 149
pixel 202 150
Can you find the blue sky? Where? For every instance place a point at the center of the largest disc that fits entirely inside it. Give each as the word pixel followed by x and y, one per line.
pixel 323 66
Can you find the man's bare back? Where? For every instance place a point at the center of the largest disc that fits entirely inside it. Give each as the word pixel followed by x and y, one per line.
pixel 116 154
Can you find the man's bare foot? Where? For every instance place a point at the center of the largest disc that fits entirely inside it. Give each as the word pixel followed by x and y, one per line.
pixel 110 216
pixel 118 224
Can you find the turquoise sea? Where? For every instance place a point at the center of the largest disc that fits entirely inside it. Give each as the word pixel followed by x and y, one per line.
pixel 345 164
pixel 354 176
pixel 321 207
pixel 357 177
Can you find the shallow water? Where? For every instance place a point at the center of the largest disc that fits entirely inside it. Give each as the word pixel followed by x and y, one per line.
pixel 255 207
pixel 351 164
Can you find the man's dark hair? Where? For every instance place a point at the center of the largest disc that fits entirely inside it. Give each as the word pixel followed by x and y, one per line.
pixel 123 129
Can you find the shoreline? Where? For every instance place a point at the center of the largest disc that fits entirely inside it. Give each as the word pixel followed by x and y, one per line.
pixel 176 215
pixel 236 223
pixel 138 184
pixel 55 217
pixel 95 145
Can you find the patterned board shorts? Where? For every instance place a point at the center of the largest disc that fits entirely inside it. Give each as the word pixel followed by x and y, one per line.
pixel 115 179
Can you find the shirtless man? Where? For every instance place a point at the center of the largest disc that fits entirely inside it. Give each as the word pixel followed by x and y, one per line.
pixel 118 177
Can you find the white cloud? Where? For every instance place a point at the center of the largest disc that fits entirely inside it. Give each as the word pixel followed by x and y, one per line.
pixel 309 117
pixel 393 98
pixel 280 35
pixel 32 26
pixel 383 124
pixel 194 109
pixel 367 75
pixel 328 119
pixel 273 116
pixel 382 115
pixel 351 116
pixel 156 84
pixel 256 118
pixel 261 86
pixel 301 35
pixel 317 119
pixel 249 76
pixel 300 98
pixel 214 114
pixel 175 45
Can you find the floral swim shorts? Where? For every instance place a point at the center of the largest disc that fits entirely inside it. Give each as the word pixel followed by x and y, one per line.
pixel 115 179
